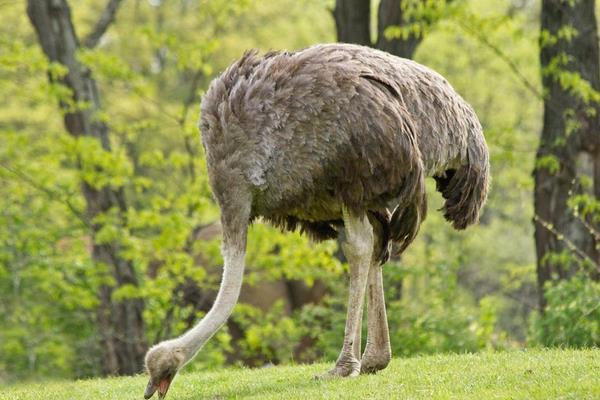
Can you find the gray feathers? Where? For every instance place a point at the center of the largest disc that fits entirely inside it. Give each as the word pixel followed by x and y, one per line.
pixel 337 124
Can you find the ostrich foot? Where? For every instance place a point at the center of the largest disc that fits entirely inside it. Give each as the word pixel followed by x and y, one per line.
pixel 375 360
pixel 342 369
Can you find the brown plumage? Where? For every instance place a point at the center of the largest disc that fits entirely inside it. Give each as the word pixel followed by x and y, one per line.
pixel 344 124
pixel 327 140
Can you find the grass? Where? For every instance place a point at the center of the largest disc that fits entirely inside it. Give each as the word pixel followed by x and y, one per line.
pixel 532 374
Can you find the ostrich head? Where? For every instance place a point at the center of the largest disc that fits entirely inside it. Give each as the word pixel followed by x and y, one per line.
pixel 162 363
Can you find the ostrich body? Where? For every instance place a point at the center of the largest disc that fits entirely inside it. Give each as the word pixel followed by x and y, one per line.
pixel 327 140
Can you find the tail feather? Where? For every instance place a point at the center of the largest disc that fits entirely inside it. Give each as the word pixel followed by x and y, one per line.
pixel 465 189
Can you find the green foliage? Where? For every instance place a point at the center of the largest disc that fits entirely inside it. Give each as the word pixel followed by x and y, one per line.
pixel 572 314
pixel 290 256
pixel 419 17
pixel 586 206
pixel 438 330
pixel 548 162
pixel 269 337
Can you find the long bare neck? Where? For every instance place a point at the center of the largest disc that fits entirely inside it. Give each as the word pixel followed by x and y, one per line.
pixel 234 250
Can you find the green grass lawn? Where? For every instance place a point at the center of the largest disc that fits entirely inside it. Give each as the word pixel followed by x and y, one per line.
pixel 533 374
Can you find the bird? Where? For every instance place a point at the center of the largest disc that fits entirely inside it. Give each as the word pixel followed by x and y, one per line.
pixel 336 141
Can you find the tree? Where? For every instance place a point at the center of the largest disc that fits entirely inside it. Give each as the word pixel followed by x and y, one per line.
pixel 120 323
pixel 567 167
pixel 407 18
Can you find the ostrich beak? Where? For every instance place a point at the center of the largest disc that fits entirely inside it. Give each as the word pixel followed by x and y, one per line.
pixel 150 389
pixel 162 387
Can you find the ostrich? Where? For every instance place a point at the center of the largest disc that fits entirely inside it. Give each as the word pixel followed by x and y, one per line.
pixel 327 140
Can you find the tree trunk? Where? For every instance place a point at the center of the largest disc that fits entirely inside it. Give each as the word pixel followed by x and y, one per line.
pixel 568 147
pixel 120 324
pixel 352 21
pixel 390 14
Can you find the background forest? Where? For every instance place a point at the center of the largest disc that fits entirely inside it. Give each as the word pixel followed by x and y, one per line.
pixel 109 240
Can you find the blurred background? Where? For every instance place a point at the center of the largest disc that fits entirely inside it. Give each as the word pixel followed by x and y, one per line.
pixel 109 240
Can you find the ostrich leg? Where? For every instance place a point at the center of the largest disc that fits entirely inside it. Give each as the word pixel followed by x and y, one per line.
pixel 378 352
pixel 356 345
pixel 357 245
